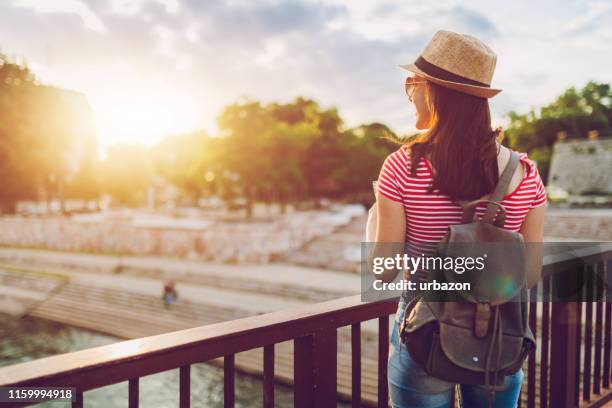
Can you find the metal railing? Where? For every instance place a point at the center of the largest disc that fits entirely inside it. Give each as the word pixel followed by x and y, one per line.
pixel 571 366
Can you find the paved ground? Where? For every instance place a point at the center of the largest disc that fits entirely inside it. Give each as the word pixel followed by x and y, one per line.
pixel 271 286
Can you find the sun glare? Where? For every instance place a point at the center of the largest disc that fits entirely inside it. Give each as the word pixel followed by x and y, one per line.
pixel 142 117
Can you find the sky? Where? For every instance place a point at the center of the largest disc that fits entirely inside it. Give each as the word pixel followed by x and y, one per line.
pixel 154 67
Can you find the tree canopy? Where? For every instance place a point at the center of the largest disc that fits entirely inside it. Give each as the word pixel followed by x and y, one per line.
pixel 47 139
pixel 575 112
pixel 275 152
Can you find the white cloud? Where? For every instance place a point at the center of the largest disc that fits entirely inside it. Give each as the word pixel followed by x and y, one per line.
pixel 90 19
pixel 192 34
pixel 166 38
pixel 341 53
pixel 588 20
pixel 134 6
pixel 274 49
pixel 184 63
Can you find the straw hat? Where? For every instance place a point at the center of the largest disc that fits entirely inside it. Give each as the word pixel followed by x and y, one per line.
pixel 457 61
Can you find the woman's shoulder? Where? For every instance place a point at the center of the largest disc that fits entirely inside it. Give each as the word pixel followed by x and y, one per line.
pixel 402 154
pixel 531 168
pixel 531 185
pixel 402 157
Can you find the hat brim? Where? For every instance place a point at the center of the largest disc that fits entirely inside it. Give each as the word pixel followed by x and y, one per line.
pixel 480 91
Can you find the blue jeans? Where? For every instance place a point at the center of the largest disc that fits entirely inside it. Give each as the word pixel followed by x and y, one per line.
pixel 411 387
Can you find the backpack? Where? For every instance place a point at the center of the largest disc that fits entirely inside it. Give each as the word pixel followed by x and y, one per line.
pixel 478 337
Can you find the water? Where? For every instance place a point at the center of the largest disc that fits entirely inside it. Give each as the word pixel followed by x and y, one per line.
pixel 27 339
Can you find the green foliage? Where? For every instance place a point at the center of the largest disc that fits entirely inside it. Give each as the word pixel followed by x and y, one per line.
pixel 17 135
pixel 190 161
pixel 47 140
pixel 285 152
pixel 367 147
pixel 276 152
pixel 576 112
pixel 127 173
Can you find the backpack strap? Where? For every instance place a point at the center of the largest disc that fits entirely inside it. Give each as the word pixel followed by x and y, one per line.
pixel 501 188
pixel 469 212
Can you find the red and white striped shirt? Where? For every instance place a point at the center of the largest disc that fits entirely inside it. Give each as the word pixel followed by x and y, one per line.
pixel 428 215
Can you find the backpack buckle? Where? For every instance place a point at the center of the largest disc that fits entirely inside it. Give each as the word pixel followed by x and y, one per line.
pixel 481 319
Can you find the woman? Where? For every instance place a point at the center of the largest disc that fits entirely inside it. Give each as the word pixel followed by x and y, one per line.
pixel 456 159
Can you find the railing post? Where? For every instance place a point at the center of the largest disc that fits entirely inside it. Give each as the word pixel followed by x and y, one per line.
pixel 78 401
pixel 185 386
pixel 531 360
pixel 588 335
pixel 303 372
pixel 607 327
pixel 315 370
pixel 599 299
pixel 563 377
pixel 268 376
pixel 133 392
pixel 356 365
pixel 383 358
pixel 326 381
pixel 229 392
pixel 545 343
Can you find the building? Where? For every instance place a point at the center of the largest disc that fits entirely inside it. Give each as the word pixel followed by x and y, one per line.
pixel 582 166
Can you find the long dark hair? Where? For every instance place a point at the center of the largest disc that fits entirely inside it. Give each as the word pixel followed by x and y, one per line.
pixel 460 144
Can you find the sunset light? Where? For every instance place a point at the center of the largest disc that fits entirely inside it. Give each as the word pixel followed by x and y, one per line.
pixel 143 115
pixel 305 203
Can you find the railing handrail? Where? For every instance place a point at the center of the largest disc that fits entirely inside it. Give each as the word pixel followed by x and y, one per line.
pixel 597 251
pixel 93 368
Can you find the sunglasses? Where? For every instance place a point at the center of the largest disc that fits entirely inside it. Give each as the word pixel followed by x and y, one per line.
pixel 411 83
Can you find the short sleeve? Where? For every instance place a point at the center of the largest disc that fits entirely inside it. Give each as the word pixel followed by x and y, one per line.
pixel 388 184
pixel 540 196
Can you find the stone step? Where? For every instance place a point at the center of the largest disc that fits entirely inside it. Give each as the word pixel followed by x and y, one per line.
pixel 271 279
pixel 328 251
pixel 144 303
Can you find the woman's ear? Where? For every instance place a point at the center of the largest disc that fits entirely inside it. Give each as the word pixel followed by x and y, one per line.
pixel 429 98
pixel 500 134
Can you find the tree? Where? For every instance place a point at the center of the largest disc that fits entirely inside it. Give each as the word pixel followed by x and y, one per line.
pixel 189 161
pixel 247 131
pixel 326 153
pixel 47 139
pixel 576 112
pixel 65 152
pixel 127 172
pixel 286 152
pixel 17 134
pixel 368 147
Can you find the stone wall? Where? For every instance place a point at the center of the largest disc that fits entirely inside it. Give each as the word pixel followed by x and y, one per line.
pixel 578 224
pixel 582 166
pixel 220 241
